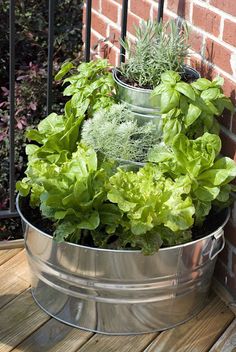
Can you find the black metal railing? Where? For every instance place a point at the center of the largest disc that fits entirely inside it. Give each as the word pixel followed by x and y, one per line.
pixel 11 212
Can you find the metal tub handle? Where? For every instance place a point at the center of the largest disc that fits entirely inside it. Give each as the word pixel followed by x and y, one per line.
pixel 219 236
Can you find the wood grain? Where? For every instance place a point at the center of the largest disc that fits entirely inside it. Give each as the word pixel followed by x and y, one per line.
pixel 104 343
pixel 19 319
pixel 199 333
pixel 6 254
pixel 54 336
pixel 14 278
pixel 227 342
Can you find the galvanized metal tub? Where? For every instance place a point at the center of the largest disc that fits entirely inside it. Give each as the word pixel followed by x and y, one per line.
pixel 120 291
pixel 140 101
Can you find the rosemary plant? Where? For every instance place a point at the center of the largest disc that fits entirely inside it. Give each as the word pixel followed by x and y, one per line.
pixel 116 133
pixel 159 47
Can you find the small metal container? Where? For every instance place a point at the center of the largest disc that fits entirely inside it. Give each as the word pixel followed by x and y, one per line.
pixel 140 101
pixel 120 291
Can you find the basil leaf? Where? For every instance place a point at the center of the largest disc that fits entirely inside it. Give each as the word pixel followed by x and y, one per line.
pixel 169 100
pixel 185 89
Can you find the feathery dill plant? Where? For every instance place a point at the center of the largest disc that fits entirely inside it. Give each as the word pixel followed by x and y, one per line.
pixel 116 133
pixel 158 48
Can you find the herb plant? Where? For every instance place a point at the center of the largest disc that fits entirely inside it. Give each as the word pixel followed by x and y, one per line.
pixel 91 200
pixel 91 86
pixel 190 108
pixel 159 47
pixel 116 133
pixel 204 174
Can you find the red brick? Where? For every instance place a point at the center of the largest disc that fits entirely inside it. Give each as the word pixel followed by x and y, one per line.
pixel 195 40
pixel 113 55
pixel 140 8
pixel 165 16
pixel 218 55
pixel 230 89
pixel 110 9
pixel 203 68
pixel 228 146
pixel 208 20
pixel 97 5
pixel 228 6
pixel 84 12
pixel 98 24
pixel 114 36
pixel 229 34
pixel 132 22
pixel 180 7
pixel 94 42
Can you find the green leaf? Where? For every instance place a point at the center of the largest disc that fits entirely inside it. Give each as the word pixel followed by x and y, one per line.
pixel 34 135
pixel 53 123
pixel 193 113
pixel 159 153
pixel 30 149
pixel 63 230
pixel 201 84
pixel 65 68
pixel 218 81
pixel 210 94
pixel 172 128
pixel 90 221
pixel 185 89
pixel 223 171
pixel 23 187
pixel 206 194
pixel 159 89
pixel 170 77
pixel 169 100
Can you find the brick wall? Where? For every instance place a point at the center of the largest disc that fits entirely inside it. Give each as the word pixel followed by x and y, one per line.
pixel 213 45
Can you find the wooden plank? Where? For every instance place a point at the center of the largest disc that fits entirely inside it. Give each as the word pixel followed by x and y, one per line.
pixel 14 278
pixel 105 343
pixel 6 254
pixel 227 342
pixel 54 337
pixel 199 333
pixel 19 319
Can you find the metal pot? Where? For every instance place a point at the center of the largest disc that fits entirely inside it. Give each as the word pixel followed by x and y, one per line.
pixel 140 101
pixel 120 291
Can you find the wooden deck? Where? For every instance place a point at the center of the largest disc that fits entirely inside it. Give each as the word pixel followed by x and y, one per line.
pixel 25 327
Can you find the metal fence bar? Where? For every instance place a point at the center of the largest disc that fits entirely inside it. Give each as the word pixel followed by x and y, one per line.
pixel 51 14
pixel 160 11
pixel 123 28
pixel 12 107
pixel 11 212
pixel 88 29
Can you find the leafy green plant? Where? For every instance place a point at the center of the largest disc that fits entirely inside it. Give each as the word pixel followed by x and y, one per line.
pixel 91 89
pixel 31 25
pixel 116 133
pixel 205 174
pixel 190 108
pixel 92 202
pixel 159 47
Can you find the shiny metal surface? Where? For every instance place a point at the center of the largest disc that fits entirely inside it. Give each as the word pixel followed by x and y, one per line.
pixel 140 101
pixel 120 291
